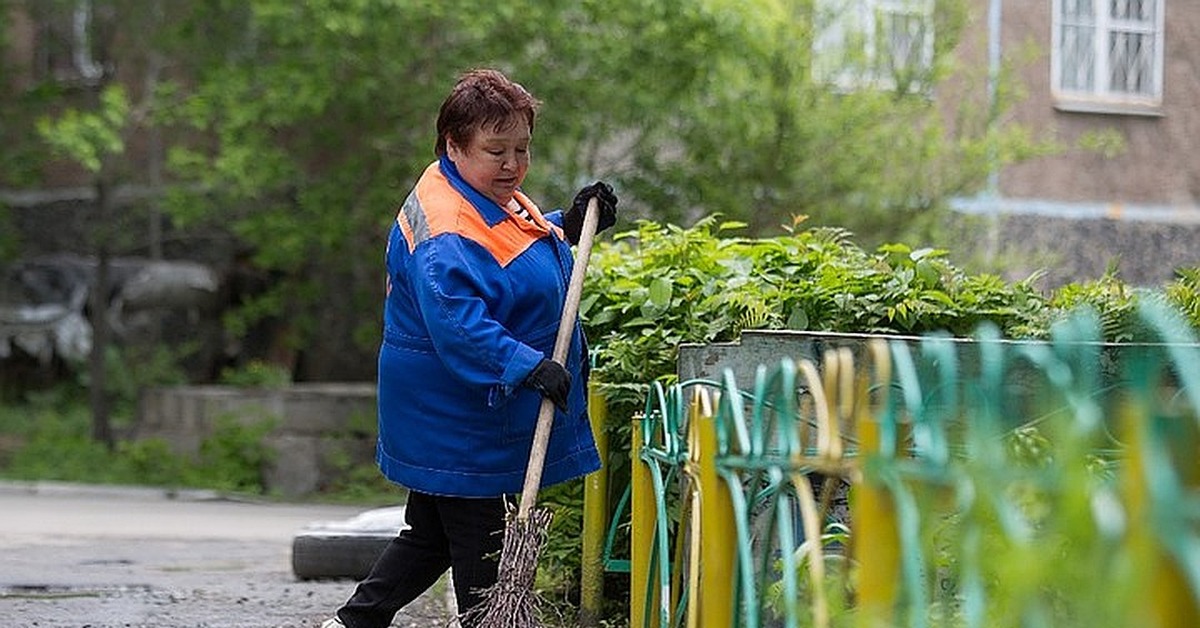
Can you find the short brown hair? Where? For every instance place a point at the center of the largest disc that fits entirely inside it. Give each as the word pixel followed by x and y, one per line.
pixel 480 97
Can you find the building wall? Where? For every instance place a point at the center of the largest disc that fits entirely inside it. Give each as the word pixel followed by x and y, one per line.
pixel 1160 164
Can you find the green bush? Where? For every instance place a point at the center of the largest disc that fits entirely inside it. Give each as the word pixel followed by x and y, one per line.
pixel 659 285
pixel 49 438
pixel 234 456
pixel 1184 294
pixel 256 374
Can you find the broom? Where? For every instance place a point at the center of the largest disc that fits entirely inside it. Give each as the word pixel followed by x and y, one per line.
pixel 511 603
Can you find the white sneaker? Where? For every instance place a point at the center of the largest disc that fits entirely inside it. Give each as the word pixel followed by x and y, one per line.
pixel 333 623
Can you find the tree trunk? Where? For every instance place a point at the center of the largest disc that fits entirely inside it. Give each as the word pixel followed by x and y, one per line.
pixel 97 369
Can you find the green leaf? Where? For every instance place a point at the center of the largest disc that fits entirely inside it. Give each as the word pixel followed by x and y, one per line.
pixel 798 319
pixel 660 293
pixel 922 253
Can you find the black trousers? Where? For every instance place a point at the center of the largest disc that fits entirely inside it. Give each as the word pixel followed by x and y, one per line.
pixel 462 534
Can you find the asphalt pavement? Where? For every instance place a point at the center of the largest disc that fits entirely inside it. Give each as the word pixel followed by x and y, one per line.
pixel 78 556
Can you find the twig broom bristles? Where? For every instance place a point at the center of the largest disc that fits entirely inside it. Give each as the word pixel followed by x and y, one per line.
pixel 511 602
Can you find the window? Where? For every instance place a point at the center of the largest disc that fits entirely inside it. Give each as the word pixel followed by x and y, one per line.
pixel 1108 55
pixel 885 44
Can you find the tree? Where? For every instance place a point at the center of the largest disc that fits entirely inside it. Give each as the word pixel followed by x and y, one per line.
pixel 94 139
pixel 762 138
pixel 300 126
pixel 320 116
pixel 92 125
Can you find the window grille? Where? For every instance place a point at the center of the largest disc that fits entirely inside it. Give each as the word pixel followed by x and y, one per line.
pixel 1108 51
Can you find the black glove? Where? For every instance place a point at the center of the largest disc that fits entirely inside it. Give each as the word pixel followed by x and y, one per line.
pixel 573 217
pixel 552 380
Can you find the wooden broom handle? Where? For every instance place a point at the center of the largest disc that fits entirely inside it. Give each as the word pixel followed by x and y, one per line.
pixel 562 344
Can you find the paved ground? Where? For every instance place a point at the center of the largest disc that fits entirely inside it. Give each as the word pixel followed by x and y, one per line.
pixel 82 557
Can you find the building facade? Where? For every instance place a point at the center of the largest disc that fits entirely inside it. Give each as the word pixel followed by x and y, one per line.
pixel 1112 84
pixel 1115 83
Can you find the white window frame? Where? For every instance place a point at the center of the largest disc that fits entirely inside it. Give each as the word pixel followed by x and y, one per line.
pixel 1094 37
pixel 846 46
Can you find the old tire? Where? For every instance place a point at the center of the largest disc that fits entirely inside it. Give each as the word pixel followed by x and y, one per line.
pixel 329 555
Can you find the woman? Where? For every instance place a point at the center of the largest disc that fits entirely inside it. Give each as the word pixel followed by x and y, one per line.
pixel 477 276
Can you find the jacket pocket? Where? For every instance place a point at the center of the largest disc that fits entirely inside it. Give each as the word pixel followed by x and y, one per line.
pixel 519 426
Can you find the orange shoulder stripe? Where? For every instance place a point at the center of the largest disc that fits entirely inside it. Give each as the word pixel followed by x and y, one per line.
pixel 434 207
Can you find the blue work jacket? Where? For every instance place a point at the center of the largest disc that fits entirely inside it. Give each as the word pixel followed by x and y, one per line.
pixel 474 296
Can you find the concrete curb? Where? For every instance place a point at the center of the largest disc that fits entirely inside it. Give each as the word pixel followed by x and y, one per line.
pixel 63 489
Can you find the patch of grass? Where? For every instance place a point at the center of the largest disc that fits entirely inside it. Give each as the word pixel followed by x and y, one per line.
pixel 47 436
pixel 359 484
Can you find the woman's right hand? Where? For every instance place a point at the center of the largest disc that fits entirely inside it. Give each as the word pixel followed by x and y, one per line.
pixel 552 380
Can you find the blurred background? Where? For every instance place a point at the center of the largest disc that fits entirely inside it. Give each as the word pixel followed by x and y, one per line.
pixel 198 192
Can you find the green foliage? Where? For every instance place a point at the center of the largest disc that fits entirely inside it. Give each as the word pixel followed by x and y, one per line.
pixel 659 286
pixel 133 368
pixel 689 107
pixel 1040 524
pixel 129 369
pixel 48 438
pixel 236 454
pixel 356 482
pixel 1184 294
pixel 89 137
pixel 257 374
pixel 1107 142
pixel 763 137
pixel 833 541
pixel 651 289
pixel 359 483
pixel 560 556
pixel 1114 302
pixel 152 462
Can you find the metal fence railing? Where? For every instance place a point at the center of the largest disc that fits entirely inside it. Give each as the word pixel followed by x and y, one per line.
pixel 927 482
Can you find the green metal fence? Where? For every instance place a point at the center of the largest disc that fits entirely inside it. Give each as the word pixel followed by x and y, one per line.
pixel 990 483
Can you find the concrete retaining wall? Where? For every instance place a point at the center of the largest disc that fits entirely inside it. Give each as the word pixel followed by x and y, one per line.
pixel 1144 253
pixel 320 429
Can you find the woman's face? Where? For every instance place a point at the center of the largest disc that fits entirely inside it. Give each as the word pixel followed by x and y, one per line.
pixel 495 160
